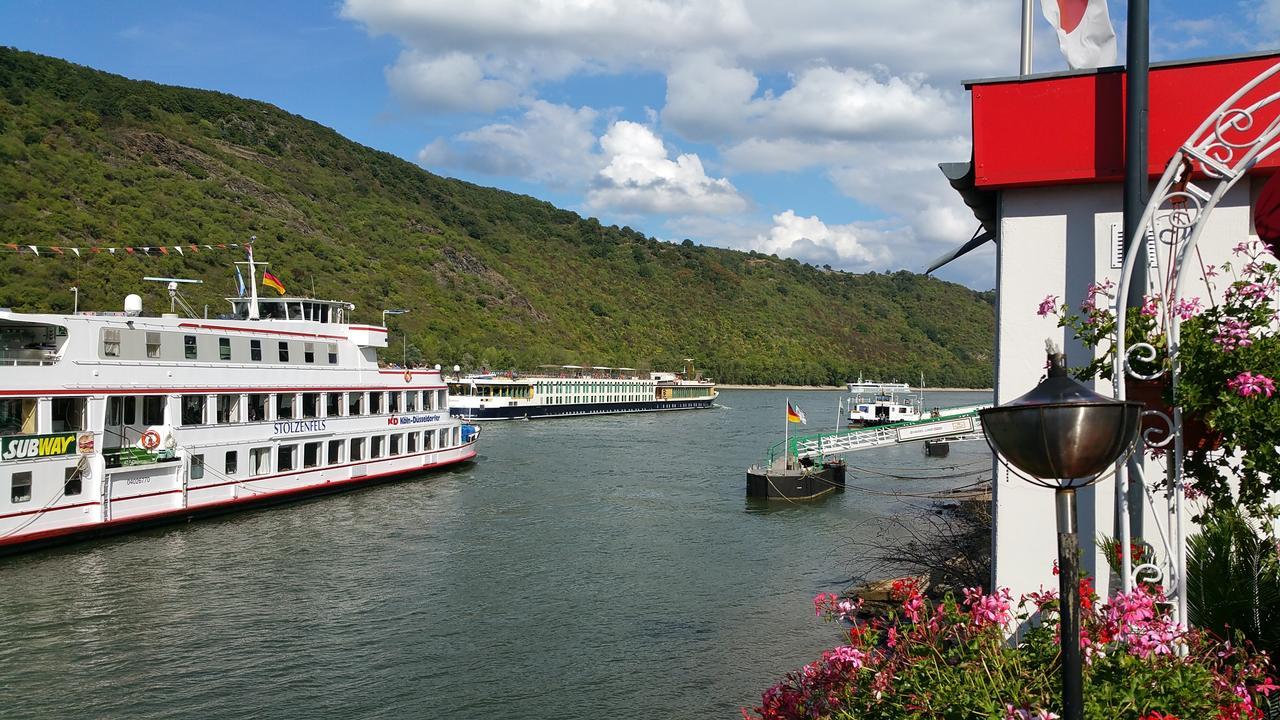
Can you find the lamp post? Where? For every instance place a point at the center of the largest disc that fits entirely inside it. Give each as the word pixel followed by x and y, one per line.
pixel 1062 435
pixel 404 337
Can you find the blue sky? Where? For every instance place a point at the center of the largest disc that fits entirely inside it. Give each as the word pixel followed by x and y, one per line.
pixel 807 129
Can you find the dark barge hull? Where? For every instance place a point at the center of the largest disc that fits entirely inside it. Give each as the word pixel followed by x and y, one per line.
pixel 533 412
pixel 796 483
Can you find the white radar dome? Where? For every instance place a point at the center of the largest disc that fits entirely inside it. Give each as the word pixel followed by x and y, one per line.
pixel 132 305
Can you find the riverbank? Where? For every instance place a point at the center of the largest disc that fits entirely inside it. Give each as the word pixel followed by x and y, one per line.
pixel 802 388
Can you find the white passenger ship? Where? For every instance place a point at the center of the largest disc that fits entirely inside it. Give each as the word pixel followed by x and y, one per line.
pixel 114 420
pixel 875 403
pixel 566 390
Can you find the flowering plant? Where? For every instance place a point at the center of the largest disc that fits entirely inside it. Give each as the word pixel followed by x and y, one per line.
pixel 1094 326
pixel 950 660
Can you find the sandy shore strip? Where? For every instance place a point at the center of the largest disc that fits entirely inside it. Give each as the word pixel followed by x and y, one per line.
pixel 722 386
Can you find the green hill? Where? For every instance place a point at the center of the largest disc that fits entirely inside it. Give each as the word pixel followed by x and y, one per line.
pixel 492 278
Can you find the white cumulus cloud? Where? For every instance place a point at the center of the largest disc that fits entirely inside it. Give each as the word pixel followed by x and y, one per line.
pixel 640 177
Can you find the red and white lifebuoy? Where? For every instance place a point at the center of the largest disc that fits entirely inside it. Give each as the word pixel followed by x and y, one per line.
pixel 408 376
pixel 150 440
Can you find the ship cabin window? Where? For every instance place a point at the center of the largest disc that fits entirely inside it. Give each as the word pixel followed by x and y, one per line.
pixel 284 351
pixel 69 413
pixel 257 408
pixel 375 447
pixel 231 464
pixel 111 342
pixel 152 410
pixel 311 455
pixel 308 352
pixel 284 406
pixel 357 449
pixel 255 350
pixel 260 461
pixel 115 412
pixel 17 416
pixel 224 348
pixel 332 404
pixel 310 405
pixel 20 487
pixel 457 436
pixel 73 481
pixel 442 400
pixel 271 310
pixel 197 467
pixel 411 441
pixel 228 409
pixel 395 445
pixel 427 397
pixel 375 403
pixel 295 311
pixel 193 409
pixel 355 404
pixel 153 344
pixel 189 346
pixel 131 410
pixel 335 452
pixel 393 402
pixel 285 457
pixel 429 440
pixel 333 353
pixel 411 401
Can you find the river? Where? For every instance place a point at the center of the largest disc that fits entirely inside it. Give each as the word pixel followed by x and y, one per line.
pixel 602 567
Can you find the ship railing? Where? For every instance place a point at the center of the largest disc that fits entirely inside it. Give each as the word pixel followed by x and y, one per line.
pixel 131 456
pixel 33 358
pixel 836 442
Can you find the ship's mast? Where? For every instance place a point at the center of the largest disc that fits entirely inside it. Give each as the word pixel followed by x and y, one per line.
pixel 253 278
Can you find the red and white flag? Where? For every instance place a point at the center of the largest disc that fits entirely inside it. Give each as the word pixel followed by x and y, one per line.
pixel 1084 31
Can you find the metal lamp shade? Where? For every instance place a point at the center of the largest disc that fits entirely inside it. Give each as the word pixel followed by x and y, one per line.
pixel 1062 434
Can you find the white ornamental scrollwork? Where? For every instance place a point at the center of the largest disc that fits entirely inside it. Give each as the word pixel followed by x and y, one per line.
pixel 1141 352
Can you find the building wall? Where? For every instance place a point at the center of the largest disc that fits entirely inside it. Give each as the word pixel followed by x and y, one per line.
pixel 1055 241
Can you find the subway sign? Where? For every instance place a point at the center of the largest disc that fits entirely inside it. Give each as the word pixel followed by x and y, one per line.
pixel 27 447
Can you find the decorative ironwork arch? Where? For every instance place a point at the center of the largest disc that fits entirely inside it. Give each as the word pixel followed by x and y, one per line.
pixel 1231 141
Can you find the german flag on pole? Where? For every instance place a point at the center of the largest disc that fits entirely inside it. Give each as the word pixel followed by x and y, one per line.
pixel 795 415
pixel 272 281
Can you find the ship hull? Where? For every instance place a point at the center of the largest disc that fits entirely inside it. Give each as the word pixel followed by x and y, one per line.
pixel 300 489
pixel 533 412
pixel 796 483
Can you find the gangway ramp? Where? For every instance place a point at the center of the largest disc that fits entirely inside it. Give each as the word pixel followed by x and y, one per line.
pixel 943 422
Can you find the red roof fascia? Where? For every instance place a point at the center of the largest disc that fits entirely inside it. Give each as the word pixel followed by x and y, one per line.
pixel 1066 129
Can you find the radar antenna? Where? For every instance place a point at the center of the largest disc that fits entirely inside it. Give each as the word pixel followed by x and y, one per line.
pixel 175 298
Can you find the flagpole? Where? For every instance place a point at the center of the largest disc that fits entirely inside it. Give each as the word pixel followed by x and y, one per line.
pixel 1025 57
pixel 786 436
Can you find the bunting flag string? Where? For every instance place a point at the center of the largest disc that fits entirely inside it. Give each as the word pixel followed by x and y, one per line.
pixel 52 250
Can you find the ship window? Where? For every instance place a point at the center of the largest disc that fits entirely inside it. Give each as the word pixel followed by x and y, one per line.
pixel 284 406
pixel 427 396
pixel 357 448
pixel 189 346
pixel 131 411
pixel 411 441
pixel 429 440
pixel 152 410
pixel 285 456
pixel 457 436
pixel 231 464
pixel 284 351
pixel 375 403
pixel 257 408
pixel 255 350
pixel 193 409
pixel 310 405
pixel 411 401
pixel 153 344
pixel 115 412
pixel 197 467
pixel 375 447
pixel 20 487
pixel 335 452
pixel 224 348
pixel 309 352
pixel 311 455
pixel 228 409
pixel 333 404
pixel 260 461
pixel 393 402
pixel 68 414
pixel 355 402
pixel 111 342
pixel 333 353
pixel 395 445
pixel 442 401
pixel 73 481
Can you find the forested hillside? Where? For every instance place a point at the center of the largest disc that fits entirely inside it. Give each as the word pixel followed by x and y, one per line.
pixel 89 159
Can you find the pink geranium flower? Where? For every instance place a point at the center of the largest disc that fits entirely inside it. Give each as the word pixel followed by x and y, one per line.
pixel 1248 384
pixel 1048 305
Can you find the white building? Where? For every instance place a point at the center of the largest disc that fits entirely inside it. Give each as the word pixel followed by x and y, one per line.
pixel 1045 180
